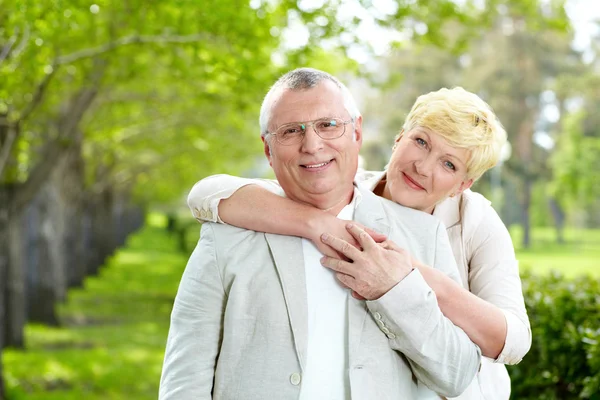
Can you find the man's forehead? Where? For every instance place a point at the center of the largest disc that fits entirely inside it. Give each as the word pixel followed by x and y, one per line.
pixel 307 104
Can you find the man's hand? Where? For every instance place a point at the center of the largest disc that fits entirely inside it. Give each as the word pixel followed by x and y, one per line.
pixel 337 227
pixel 372 271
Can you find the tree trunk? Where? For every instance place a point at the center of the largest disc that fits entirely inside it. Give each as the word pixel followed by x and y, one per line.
pixel 103 241
pixel 525 206
pixel 559 220
pixel 15 291
pixel 42 265
pixel 3 277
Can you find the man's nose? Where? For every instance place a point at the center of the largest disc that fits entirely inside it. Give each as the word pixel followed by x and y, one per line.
pixel 311 142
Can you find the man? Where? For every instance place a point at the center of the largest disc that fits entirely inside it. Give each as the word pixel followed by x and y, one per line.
pixel 257 316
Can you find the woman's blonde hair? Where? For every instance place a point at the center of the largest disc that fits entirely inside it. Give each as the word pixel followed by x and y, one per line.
pixel 464 120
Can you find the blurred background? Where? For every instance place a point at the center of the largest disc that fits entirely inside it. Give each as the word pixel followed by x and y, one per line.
pixel 111 110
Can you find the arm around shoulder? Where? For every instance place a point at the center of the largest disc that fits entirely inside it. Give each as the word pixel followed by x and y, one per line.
pixel 205 197
pixel 196 327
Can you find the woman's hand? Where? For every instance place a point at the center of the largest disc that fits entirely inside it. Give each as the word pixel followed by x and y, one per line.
pixel 373 269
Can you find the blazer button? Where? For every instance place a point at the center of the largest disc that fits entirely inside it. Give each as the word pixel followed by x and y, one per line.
pixel 295 379
pixel 377 316
pixel 391 335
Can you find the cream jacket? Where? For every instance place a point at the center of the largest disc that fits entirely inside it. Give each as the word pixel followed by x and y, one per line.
pixel 483 251
pixel 239 326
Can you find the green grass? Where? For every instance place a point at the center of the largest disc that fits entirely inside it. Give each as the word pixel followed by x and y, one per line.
pixel 112 341
pixel 580 254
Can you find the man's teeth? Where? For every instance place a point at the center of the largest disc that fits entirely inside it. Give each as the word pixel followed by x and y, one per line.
pixel 317 165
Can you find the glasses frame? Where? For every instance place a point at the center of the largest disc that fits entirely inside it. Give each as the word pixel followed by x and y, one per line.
pixel 308 124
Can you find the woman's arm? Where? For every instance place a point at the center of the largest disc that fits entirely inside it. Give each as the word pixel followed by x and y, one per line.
pixel 483 322
pixel 493 311
pixel 494 278
pixel 258 205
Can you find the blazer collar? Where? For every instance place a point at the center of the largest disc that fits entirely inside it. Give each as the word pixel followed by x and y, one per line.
pixel 289 262
pixel 370 211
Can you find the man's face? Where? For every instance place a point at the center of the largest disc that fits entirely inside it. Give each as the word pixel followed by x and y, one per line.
pixel 315 171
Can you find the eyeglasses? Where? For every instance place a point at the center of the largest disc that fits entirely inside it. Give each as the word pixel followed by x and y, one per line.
pixel 325 128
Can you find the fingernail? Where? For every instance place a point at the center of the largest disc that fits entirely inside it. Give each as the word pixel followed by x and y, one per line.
pixel 324 236
pixel 323 259
pixel 349 226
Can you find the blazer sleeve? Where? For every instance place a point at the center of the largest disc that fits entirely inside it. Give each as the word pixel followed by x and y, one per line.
pixel 441 354
pixel 196 327
pixel 494 277
pixel 206 194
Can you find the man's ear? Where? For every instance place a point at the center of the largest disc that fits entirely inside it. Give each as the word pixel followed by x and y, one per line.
pixel 358 130
pixel 267 150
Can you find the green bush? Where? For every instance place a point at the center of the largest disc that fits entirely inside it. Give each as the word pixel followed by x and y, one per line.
pixel 564 360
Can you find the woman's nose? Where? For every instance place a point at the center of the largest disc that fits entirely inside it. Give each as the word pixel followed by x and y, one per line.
pixel 424 166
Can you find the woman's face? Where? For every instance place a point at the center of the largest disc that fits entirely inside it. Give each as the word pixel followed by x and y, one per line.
pixel 424 170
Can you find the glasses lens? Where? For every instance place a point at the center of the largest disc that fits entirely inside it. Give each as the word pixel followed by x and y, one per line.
pixel 289 133
pixel 330 128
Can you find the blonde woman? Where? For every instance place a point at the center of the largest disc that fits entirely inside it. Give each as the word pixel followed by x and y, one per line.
pixel 449 139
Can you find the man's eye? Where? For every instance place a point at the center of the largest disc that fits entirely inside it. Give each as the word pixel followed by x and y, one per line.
pixel 326 124
pixel 291 131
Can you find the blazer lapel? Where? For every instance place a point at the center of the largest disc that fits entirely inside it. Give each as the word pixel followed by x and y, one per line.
pixel 289 262
pixel 370 213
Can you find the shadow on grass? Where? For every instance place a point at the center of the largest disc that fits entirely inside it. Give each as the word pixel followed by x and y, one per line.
pixel 113 330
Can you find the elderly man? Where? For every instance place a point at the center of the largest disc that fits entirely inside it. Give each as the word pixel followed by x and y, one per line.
pixel 257 316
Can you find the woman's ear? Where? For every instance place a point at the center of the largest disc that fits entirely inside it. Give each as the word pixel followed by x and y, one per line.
pixel 397 139
pixel 399 136
pixel 464 186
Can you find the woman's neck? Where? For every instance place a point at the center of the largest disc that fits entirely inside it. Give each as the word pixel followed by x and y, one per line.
pixel 382 190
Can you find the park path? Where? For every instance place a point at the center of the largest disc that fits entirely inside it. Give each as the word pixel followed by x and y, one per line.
pixel 113 333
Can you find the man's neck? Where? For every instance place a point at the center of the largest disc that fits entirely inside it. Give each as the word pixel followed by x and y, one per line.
pixel 328 204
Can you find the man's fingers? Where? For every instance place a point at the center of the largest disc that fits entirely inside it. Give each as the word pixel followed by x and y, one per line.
pixel 363 238
pixel 388 244
pixel 343 267
pixel 346 280
pixel 341 246
pixel 376 236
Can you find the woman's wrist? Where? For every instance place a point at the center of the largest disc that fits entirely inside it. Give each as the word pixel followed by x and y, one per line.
pixel 435 280
pixel 313 224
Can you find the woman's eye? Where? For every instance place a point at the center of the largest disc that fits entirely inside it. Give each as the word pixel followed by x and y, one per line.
pixel 421 142
pixel 449 165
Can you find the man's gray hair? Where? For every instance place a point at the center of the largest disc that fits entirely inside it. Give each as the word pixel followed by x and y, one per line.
pixel 302 79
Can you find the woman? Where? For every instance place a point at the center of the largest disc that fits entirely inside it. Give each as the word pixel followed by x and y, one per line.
pixel 449 139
